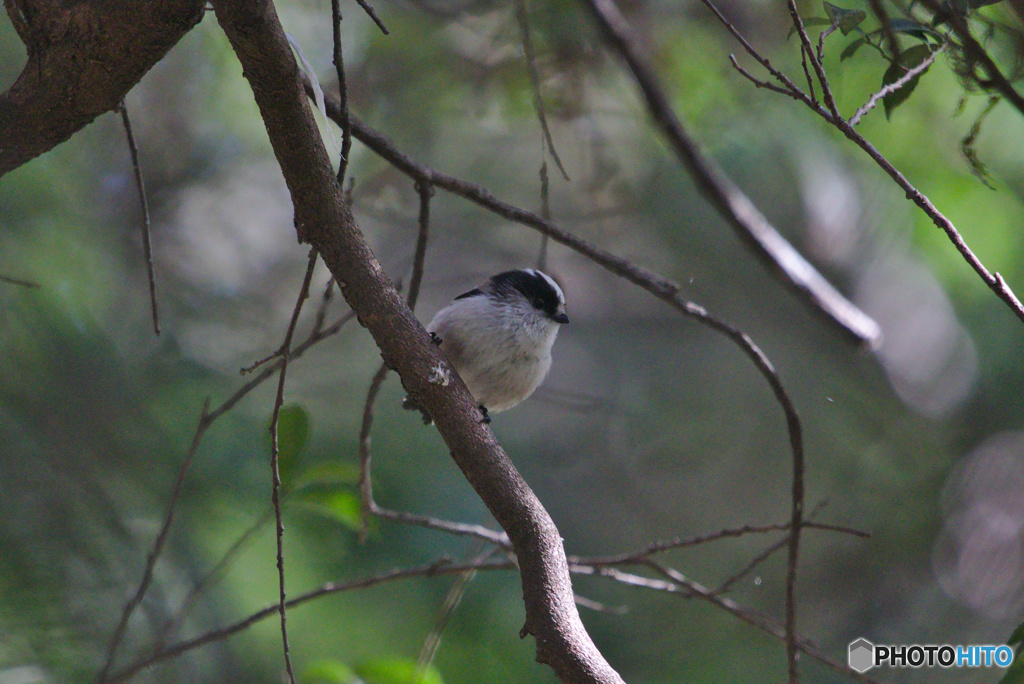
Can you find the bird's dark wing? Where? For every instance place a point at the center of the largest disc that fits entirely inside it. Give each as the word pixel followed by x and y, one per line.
pixel 475 292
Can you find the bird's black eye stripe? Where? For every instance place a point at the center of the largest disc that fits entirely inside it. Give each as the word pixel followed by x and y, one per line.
pixel 537 289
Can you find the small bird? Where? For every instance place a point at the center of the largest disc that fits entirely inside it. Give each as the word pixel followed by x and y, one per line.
pixel 499 337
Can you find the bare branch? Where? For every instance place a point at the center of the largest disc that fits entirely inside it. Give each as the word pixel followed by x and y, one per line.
pixel 658 286
pixel 205 419
pixel 210 578
pixel 76 66
pixel 365 483
pixel 995 281
pixel 979 54
pixel 679 584
pixel 339 66
pixel 440 567
pixel 324 220
pixel 790 88
pixel 641 555
pixel 425 191
pixel 275 471
pixel 752 227
pixel 764 84
pixel 451 602
pixel 548 144
pixel 749 567
pixel 368 8
pixel 819 69
pixel 903 80
pixel 20 283
pixel 497 538
pixel 890 36
pixel 147 243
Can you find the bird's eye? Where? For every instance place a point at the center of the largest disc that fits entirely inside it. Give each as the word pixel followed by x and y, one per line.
pixel 538 304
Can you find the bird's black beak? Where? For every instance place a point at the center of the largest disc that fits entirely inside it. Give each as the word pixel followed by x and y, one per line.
pixel 560 318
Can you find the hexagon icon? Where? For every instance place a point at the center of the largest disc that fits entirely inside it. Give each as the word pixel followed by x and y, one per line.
pixel 861 656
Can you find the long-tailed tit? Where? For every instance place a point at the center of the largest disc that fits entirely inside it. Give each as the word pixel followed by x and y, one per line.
pixel 499 337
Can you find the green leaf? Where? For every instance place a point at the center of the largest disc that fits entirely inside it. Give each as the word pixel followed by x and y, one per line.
pixel 292 435
pixel 397 671
pixel 1017 636
pixel 328 672
pixel 908 60
pixel 916 29
pixel 852 20
pixel 340 505
pixel 332 472
pixel 1015 673
pixel 850 49
pixel 810 21
pixel 847 20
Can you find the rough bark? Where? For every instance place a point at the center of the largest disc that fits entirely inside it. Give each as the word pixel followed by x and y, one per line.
pixel 83 57
pixel 323 220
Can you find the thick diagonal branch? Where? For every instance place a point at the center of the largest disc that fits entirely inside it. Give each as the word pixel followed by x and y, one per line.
pixel 324 220
pixel 83 57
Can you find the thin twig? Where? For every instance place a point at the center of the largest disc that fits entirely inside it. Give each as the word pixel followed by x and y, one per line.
pixel 20 283
pixel 890 88
pixel 205 419
pixel 581 566
pixel 890 36
pixel 545 211
pixel 275 470
pixel 807 73
pixel 208 579
pixel 325 300
pixel 977 53
pixel 147 244
pixel 749 567
pixel 368 8
pixel 339 66
pixel 657 547
pixel 440 567
pixel 678 584
pixel 768 552
pixel 425 191
pixel 821 40
pixel 451 603
pixel 744 217
pixel 314 337
pixel 548 144
pixel 365 481
pixel 994 281
pixel 791 89
pixel 498 538
pixel 763 84
pixel 819 69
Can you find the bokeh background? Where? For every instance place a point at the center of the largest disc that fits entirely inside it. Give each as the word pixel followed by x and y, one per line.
pixel 649 426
